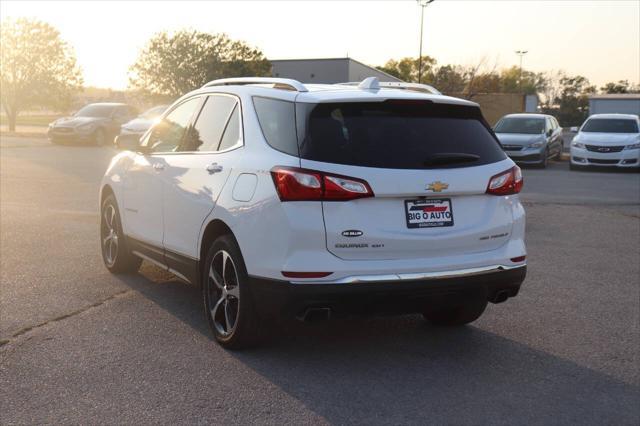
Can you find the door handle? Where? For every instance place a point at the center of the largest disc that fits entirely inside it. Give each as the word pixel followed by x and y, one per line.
pixel 214 168
pixel 158 167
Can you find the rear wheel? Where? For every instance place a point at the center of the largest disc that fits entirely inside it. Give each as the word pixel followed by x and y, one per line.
pixel 459 314
pixel 115 252
pixel 228 301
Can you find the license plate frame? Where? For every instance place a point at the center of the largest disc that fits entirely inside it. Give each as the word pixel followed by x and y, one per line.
pixel 437 203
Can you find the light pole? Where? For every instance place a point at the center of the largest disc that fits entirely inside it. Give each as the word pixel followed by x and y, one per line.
pixel 521 53
pixel 422 4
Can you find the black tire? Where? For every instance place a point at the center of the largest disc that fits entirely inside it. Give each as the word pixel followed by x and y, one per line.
pixel 99 137
pixel 456 315
pixel 559 154
pixel 228 302
pixel 115 252
pixel 545 159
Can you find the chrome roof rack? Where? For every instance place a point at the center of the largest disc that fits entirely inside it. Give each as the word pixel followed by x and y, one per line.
pixel 278 83
pixel 373 83
pixel 416 87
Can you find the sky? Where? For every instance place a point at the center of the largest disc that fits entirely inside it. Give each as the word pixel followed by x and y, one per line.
pixel 597 39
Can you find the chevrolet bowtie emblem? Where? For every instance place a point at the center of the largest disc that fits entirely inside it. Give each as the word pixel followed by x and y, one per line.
pixel 437 186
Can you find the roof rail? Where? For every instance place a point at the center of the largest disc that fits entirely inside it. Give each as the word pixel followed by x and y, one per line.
pixel 416 87
pixel 373 83
pixel 278 83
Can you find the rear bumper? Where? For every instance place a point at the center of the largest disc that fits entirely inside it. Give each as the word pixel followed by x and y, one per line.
pixel 274 298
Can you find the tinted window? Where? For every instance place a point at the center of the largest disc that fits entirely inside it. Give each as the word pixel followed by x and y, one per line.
pixel 95 110
pixel 398 134
pixel 232 131
pixel 610 125
pixel 523 125
pixel 168 133
pixel 277 121
pixel 207 132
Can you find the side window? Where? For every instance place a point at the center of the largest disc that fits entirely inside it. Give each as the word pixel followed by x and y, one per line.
pixel 277 121
pixel 209 127
pixel 168 133
pixel 232 131
pixel 120 113
pixel 549 125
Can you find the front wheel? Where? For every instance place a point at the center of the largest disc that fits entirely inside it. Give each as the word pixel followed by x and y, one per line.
pixel 228 302
pixel 456 315
pixel 545 159
pixel 99 137
pixel 115 252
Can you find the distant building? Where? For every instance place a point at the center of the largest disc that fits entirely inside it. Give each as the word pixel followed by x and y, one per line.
pixel 627 103
pixel 327 71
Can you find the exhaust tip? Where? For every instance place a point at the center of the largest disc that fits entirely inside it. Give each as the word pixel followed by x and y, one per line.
pixel 500 296
pixel 315 314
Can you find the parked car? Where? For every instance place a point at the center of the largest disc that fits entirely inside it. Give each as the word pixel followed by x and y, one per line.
pixel 132 131
pixel 607 140
pixel 97 123
pixel 280 198
pixel 530 138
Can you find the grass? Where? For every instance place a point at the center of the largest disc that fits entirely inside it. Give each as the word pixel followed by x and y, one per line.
pixel 30 120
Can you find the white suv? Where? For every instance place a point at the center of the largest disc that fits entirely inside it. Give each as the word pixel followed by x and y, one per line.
pixel 280 198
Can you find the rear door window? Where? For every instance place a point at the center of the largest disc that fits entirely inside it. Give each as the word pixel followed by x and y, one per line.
pixel 397 134
pixel 206 133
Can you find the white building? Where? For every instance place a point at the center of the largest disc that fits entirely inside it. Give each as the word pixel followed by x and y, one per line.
pixel 628 103
pixel 329 71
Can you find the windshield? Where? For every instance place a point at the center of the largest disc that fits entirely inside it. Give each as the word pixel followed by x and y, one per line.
pixel 610 125
pixel 523 125
pixel 95 110
pixel 153 113
pixel 397 134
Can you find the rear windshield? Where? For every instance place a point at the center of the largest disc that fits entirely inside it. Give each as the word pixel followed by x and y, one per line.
pixel 610 125
pixel 521 125
pixel 396 134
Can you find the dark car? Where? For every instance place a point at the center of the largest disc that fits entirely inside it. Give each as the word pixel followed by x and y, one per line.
pixel 132 131
pixel 94 123
pixel 530 138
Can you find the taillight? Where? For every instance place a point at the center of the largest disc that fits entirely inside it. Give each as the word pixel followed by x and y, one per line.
pixel 506 183
pixel 294 184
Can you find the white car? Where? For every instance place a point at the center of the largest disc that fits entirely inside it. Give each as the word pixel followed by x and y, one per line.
pixel 607 140
pixel 280 198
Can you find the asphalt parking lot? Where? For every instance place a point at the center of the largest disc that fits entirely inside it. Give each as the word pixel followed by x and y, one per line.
pixel 80 345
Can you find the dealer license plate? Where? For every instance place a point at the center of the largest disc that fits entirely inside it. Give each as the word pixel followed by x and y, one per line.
pixel 428 213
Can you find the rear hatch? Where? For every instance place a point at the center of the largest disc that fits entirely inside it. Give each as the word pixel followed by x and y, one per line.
pixel 428 166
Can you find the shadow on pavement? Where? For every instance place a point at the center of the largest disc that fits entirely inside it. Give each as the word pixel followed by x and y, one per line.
pixel 400 370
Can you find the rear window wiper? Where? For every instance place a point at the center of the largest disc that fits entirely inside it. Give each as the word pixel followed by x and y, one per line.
pixel 447 158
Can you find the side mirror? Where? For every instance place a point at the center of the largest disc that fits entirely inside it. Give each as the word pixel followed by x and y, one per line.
pixel 549 132
pixel 573 129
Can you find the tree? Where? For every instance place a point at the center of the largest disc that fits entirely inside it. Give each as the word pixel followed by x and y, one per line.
pixel 174 64
pixel 406 69
pixel 37 68
pixel 622 86
pixel 573 102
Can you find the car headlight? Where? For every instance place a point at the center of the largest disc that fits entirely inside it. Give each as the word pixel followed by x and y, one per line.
pixel 578 145
pixel 633 146
pixel 537 144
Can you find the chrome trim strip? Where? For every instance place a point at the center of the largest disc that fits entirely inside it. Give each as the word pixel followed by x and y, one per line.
pixel 161 265
pixel 418 276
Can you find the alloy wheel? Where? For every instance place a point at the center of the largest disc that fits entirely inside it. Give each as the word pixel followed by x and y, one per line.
pixel 223 288
pixel 109 235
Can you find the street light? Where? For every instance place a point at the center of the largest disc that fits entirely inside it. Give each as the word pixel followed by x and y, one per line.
pixel 422 4
pixel 521 53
